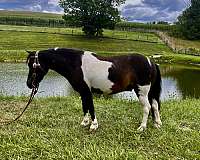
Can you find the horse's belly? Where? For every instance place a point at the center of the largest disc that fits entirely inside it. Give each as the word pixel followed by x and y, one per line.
pixel 103 84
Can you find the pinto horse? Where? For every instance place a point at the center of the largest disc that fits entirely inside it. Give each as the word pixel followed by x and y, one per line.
pixel 88 73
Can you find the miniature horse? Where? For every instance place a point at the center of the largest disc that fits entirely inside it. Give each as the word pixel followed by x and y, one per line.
pixel 88 72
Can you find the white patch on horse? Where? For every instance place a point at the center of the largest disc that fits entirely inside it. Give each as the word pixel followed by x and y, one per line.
pixel 143 98
pixel 158 122
pixel 96 73
pixel 56 48
pixel 149 61
pixel 86 120
pixel 94 125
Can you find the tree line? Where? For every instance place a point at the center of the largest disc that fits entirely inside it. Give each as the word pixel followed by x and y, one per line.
pixel 188 25
pixel 32 21
pixel 45 22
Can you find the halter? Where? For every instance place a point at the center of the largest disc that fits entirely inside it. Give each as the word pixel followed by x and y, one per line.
pixel 36 61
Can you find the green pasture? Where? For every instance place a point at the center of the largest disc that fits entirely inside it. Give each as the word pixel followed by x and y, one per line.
pixel 15 40
pixel 182 43
pixel 50 129
pixel 124 35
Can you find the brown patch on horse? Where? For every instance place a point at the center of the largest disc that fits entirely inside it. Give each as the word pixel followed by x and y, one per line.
pixel 125 82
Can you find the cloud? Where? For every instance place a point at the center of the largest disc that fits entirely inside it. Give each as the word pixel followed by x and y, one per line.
pixel 152 10
pixel 133 10
pixel 32 5
pixel 53 2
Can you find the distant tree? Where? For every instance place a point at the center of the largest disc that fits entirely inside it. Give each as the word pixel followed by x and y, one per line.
pixel 189 21
pixel 162 22
pixel 92 15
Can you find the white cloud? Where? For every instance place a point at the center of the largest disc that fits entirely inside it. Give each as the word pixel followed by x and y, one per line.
pixel 56 12
pixel 134 2
pixel 53 2
pixel 130 2
pixel 36 8
pixel 152 10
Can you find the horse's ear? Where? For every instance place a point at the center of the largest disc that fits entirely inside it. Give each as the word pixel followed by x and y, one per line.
pixel 30 52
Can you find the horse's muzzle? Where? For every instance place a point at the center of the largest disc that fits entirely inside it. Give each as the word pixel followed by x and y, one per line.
pixel 32 84
pixel 29 84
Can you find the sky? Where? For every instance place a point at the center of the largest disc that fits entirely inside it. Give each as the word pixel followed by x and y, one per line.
pixel 132 10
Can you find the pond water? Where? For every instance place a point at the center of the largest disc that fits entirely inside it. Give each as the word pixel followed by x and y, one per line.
pixel 178 82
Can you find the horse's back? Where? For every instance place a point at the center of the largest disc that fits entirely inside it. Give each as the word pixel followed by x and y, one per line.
pixel 135 67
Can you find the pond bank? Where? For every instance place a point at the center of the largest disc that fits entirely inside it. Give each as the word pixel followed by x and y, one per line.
pixel 169 58
pixel 179 59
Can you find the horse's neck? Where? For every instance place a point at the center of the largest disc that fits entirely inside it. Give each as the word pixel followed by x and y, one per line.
pixel 57 63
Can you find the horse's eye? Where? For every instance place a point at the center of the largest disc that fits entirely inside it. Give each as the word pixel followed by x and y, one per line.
pixel 34 75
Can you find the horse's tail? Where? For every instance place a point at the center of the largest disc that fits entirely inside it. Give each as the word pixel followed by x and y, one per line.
pixel 155 89
pixel 157 86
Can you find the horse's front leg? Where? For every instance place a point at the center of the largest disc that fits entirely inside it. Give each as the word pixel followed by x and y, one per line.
pixel 87 104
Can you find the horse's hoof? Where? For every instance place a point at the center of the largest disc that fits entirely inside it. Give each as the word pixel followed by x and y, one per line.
pixel 85 122
pixel 141 128
pixel 93 127
pixel 158 124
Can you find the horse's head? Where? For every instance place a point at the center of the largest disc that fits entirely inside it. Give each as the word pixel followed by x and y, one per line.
pixel 37 69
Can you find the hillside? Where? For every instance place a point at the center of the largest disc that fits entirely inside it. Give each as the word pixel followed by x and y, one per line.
pixel 132 33
pixel 26 18
pixel 6 13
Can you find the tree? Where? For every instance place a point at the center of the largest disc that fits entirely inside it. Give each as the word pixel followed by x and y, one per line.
pixel 189 21
pixel 92 15
pixel 162 22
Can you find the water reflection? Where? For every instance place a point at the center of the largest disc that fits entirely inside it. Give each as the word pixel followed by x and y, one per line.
pixel 187 78
pixel 178 82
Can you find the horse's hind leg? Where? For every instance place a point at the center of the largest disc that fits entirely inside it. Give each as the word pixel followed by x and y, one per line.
pixel 142 93
pixel 154 99
pixel 157 121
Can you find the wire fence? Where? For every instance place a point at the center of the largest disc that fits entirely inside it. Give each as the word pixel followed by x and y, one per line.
pixel 176 45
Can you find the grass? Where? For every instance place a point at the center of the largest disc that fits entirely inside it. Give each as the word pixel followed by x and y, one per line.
pixel 15 40
pixel 50 129
pixel 181 43
pixel 123 35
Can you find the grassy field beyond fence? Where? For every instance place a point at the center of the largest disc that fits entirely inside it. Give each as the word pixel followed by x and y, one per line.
pixel 50 129
pixel 16 39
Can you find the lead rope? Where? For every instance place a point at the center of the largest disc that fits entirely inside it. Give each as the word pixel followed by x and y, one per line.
pixel 34 91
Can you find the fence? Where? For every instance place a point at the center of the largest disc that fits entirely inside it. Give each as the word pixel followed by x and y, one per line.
pixel 159 30
pixel 175 45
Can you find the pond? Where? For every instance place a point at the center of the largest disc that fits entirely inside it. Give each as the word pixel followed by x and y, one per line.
pixel 178 82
